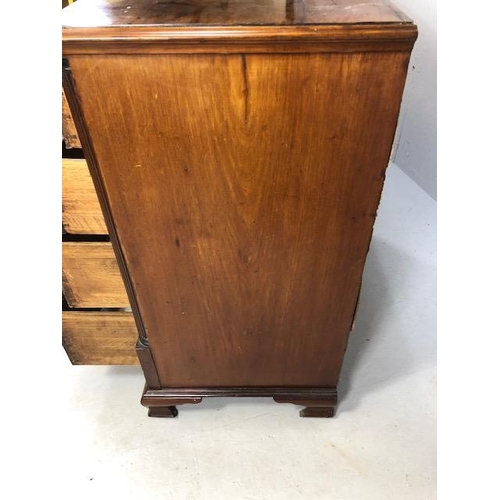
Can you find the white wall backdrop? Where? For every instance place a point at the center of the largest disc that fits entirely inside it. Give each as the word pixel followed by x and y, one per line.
pixel 416 142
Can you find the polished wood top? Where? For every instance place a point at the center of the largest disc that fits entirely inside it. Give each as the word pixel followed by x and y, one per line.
pixel 234 26
pixel 114 13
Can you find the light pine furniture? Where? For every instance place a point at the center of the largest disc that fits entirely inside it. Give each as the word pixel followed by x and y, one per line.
pixel 238 150
pixel 97 325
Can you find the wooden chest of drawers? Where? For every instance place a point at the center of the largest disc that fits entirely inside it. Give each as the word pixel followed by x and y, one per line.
pixel 238 150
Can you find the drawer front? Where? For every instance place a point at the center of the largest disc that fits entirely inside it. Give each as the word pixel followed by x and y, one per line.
pixel 81 212
pixel 91 277
pixel 99 338
pixel 70 135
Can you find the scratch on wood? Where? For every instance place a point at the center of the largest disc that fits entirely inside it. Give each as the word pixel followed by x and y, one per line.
pixel 245 85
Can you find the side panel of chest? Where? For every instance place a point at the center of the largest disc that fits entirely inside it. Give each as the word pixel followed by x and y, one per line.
pixel 243 189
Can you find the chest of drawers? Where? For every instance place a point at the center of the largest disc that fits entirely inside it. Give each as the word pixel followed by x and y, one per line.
pixel 238 150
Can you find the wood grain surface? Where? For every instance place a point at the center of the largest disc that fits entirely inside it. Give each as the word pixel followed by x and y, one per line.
pixel 81 212
pixel 85 13
pixel 69 133
pixel 99 337
pixel 243 190
pixel 91 277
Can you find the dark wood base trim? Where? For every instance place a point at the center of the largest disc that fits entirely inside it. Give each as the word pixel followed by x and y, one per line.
pixel 317 393
pixel 315 406
pixel 163 411
pixel 319 402
pixel 163 406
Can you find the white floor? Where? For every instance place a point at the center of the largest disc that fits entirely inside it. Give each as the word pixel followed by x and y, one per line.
pixel 381 445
